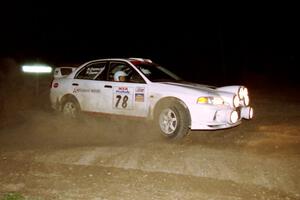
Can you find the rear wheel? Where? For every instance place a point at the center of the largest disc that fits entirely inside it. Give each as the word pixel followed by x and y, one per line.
pixel 172 119
pixel 71 109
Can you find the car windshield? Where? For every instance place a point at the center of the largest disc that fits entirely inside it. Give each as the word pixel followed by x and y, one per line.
pixel 156 73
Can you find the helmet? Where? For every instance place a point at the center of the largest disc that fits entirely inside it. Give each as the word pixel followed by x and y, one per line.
pixel 118 74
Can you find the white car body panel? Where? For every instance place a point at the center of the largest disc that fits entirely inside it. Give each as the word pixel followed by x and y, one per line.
pixel 136 103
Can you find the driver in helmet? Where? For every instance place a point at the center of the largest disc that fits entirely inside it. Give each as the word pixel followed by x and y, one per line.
pixel 120 76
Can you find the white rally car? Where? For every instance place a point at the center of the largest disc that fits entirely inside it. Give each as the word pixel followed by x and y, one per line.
pixel 140 88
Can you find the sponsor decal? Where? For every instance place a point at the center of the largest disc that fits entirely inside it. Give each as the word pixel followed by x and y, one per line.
pixel 95 91
pixel 122 90
pixel 139 89
pixel 123 98
pixel 77 90
pixel 139 97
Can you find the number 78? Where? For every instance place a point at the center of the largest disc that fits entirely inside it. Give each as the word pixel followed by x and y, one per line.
pixel 124 101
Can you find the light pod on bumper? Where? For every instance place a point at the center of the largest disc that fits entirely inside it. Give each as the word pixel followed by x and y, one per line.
pixel 227 116
pixel 236 101
pixel 247 112
pixel 234 116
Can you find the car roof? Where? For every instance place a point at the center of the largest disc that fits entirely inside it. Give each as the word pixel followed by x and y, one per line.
pixel 134 61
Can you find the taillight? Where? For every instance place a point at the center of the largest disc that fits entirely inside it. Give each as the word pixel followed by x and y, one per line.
pixel 55 85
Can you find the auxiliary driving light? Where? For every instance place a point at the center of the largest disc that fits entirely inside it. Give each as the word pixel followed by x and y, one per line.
pixel 247 112
pixel 234 116
pixel 236 101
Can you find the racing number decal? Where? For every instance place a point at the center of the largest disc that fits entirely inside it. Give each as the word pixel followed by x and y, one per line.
pixel 124 101
pixel 123 98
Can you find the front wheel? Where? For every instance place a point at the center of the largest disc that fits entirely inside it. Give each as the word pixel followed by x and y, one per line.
pixel 172 119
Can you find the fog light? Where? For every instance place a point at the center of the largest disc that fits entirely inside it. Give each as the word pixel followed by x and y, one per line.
pixel 236 101
pixel 251 113
pixel 246 100
pixel 245 92
pixel 241 92
pixel 234 117
pixel 247 112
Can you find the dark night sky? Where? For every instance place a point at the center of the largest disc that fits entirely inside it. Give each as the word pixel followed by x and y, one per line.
pixel 193 40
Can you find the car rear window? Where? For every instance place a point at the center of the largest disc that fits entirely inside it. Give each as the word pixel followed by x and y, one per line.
pixel 66 71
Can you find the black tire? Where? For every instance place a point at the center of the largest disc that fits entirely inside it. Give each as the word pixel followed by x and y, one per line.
pixel 71 109
pixel 172 119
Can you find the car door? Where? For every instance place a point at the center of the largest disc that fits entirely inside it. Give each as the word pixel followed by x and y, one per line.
pixel 129 97
pixel 88 86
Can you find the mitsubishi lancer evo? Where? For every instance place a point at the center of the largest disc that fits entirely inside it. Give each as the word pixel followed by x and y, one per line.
pixel 137 87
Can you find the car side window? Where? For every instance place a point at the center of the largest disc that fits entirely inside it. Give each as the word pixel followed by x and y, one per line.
pixel 128 73
pixel 94 71
pixel 135 77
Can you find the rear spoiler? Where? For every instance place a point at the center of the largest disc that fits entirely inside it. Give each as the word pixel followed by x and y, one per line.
pixel 61 72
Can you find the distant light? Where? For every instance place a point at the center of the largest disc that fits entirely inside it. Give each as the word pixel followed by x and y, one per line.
pixel 36 69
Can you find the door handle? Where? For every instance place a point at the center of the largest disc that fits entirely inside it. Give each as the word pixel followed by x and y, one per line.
pixel 107 86
pixel 75 84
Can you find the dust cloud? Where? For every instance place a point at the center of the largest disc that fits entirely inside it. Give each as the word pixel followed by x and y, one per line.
pixel 26 108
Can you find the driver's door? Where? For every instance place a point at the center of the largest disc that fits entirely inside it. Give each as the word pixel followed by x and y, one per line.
pixel 125 98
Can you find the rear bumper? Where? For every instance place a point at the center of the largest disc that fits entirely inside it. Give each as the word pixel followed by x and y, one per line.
pixel 55 104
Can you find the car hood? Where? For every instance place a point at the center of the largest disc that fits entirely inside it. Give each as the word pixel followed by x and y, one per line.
pixel 187 88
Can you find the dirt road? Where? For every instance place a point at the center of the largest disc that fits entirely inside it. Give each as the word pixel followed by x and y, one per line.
pixel 43 156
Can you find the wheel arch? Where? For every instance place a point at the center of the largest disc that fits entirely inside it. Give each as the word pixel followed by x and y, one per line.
pixel 67 97
pixel 168 99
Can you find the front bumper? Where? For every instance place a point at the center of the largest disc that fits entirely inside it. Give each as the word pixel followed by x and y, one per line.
pixel 209 117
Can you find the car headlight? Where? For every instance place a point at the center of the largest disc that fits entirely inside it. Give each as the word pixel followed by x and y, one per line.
pixel 210 100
